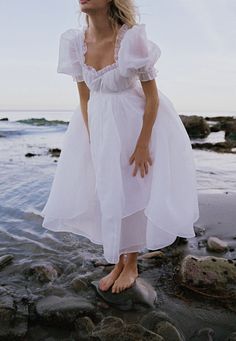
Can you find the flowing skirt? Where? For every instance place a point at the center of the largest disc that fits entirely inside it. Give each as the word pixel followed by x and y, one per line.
pixel 94 193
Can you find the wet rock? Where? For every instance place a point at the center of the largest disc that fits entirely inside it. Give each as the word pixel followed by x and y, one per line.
pixel 5 260
pixel 13 318
pixel 215 127
pixel 231 337
pixel 230 130
pixel 202 243
pixel 140 293
pixel 79 284
pixel 113 328
pixel 196 126
pixel 208 271
pixel 220 147
pixel 216 244
pixel 199 230
pixel 204 334
pixel 63 310
pixel 84 327
pixel 54 152
pixel 168 331
pixel 160 323
pixel 7 307
pixel 43 272
pixel 154 254
pixel 41 121
pixel 31 154
pixel 4 119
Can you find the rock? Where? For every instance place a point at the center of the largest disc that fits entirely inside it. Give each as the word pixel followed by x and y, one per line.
pixel 231 337
pixel 41 121
pixel 220 147
pixel 202 243
pixel 54 152
pixel 230 130
pixel 216 244
pixel 5 260
pixel 113 328
pixel 13 318
pixel 84 327
pixel 31 154
pixel 141 292
pixel 196 126
pixel 153 254
pixel 208 271
pixel 199 230
pixel 168 331
pixel 159 323
pixel 4 119
pixel 7 307
pixel 215 127
pixel 63 310
pixel 43 272
pixel 78 284
pixel 203 334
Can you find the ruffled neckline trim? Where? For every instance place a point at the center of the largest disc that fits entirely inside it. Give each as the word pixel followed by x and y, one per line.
pixel 119 37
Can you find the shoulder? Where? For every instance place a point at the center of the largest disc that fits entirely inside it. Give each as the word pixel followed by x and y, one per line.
pixel 136 29
pixel 71 34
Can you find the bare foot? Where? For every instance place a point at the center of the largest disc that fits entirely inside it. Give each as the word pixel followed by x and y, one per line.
pixel 126 278
pixel 106 282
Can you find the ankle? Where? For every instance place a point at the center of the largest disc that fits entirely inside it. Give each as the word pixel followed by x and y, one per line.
pixel 131 265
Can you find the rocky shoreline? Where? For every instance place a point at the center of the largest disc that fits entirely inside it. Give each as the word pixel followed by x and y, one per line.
pixel 186 291
pixel 198 127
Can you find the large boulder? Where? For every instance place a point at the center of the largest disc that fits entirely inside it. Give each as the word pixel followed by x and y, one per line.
pixel 196 126
pixel 208 272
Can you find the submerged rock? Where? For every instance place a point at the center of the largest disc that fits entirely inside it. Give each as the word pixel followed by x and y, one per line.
pixel 114 328
pixel 141 292
pixel 160 323
pixel 13 318
pixel 43 272
pixel 5 260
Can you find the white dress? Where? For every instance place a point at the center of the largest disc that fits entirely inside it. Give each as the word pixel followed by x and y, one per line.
pixel 94 193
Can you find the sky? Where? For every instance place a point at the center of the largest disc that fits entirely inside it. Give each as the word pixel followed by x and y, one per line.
pixel 196 69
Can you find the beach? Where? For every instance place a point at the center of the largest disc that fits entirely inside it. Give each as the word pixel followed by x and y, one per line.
pixel 46 277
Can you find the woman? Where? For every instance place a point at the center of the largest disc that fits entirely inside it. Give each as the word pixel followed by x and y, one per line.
pixel 125 178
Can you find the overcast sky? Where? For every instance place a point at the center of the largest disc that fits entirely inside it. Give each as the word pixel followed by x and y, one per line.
pixel 197 67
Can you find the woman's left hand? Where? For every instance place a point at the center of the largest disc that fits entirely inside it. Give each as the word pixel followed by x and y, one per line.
pixel 141 156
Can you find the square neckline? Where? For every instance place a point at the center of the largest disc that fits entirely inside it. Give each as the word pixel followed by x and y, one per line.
pixel 119 36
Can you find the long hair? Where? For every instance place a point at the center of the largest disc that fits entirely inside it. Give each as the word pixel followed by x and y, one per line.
pixel 120 12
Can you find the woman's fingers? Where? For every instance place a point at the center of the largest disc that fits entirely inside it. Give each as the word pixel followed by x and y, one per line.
pixel 146 167
pixel 135 169
pixel 131 159
pixel 150 160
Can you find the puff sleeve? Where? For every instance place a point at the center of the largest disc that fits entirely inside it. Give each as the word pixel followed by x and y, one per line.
pixel 138 54
pixel 69 61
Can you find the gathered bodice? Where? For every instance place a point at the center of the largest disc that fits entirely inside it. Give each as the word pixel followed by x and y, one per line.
pixel 134 59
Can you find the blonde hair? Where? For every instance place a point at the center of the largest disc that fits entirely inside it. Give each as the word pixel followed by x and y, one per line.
pixel 120 12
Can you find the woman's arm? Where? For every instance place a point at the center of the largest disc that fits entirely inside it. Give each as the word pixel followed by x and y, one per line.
pixel 84 94
pixel 150 112
pixel 141 154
